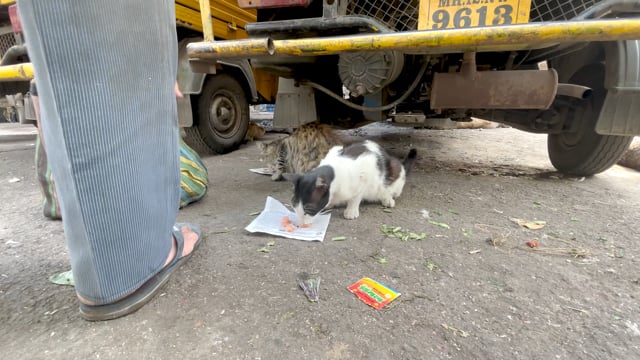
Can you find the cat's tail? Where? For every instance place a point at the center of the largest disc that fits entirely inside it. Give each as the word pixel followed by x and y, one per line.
pixel 409 161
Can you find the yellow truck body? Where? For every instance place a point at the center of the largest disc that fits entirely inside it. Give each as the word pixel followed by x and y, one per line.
pixel 202 129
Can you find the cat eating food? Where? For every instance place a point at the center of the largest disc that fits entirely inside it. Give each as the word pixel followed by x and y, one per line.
pixel 349 175
pixel 301 151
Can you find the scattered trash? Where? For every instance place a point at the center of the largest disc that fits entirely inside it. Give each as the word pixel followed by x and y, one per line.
pixel 14 180
pixel 430 265
pixel 443 225
pixel 537 203
pixel 339 238
pixel 380 259
pixel 632 328
pixel 223 231
pixel 265 249
pixel 474 251
pixel 532 244
pixel 310 286
pixel 456 330
pixel 262 171
pixel 373 293
pixel 64 278
pixel 498 235
pixel 454 212
pixel 572 248
pixel 617 253
pixel 574 219
pixel 577 309
pixel 424 213
pixel 387 210
pixel 390 230
pixel 467 233
pixel 533 225
pixel 255 213
pixel 399 233
pixel 575 252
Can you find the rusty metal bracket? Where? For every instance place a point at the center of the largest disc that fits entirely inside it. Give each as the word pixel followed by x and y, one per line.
pixel 510 89
pixel 207 25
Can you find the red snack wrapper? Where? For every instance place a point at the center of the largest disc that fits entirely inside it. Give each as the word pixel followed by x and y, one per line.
pixel 373 293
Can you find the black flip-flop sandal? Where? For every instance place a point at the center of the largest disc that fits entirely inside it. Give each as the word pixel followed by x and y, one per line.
pixel 148 290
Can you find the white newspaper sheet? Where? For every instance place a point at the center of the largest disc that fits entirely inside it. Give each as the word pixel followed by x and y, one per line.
pixel 269 222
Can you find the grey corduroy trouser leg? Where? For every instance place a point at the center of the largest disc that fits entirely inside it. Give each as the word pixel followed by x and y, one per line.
pixel 105 72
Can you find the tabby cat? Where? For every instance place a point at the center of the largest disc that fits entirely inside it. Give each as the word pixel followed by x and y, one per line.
pixel 301 151
pixel 254 132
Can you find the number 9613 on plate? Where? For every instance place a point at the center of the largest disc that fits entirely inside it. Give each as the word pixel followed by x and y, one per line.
pixel 460 14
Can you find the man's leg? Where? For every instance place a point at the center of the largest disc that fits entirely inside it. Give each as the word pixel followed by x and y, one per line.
pixel 105 73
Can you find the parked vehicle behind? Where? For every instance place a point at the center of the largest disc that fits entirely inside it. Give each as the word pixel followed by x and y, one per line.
pixel 215 111
pixel 566 68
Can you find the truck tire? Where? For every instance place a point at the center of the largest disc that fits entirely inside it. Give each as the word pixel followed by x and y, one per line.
pixel 584 152
pixel 193 138
pixel 222 114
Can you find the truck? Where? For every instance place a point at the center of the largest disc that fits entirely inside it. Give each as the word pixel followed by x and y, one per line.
pixel 566 68
pixel 213 114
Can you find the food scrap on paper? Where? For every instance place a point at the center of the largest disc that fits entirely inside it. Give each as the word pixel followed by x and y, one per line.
pixel 290 226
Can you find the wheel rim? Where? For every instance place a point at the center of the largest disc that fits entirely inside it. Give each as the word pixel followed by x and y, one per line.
pixel 569 140
pixel 223 115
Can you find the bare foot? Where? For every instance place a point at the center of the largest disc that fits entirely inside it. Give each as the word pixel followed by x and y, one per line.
pixel 190 240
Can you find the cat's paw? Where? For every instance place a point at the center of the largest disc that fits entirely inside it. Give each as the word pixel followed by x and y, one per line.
pixel 276 177
pixel 389 202
pixel 351 214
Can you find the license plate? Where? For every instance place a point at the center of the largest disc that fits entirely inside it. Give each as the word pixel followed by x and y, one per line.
pixel 459 14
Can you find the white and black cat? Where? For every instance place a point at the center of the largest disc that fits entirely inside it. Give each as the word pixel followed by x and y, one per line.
pixel 349 175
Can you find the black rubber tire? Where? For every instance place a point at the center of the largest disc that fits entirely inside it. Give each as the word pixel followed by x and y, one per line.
pixel 222 114
pixel 193 138
pixel 586 153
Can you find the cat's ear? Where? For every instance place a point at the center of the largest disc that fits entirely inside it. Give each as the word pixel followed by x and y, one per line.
pixel 291 177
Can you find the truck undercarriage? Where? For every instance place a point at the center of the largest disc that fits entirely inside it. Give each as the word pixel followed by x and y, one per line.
pixel 565 68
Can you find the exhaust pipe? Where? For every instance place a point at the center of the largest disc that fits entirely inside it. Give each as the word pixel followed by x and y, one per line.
pixel 574 91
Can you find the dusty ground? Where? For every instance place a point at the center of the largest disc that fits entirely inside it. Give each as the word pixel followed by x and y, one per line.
pixel 232 302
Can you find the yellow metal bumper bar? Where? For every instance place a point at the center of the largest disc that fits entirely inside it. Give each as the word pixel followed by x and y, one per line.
pixel 511 37
pixel 16 72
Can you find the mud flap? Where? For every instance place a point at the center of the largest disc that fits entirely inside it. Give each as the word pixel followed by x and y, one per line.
pixel 619 115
